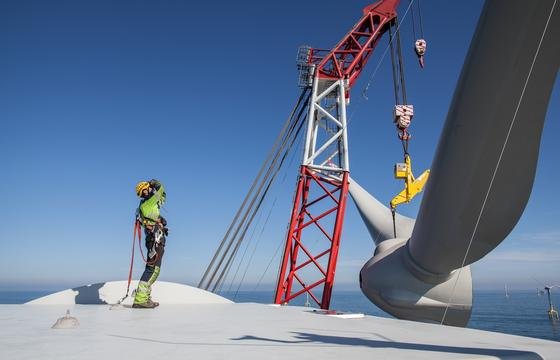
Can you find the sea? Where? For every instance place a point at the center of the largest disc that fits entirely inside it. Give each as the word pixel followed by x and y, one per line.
pixel 521 313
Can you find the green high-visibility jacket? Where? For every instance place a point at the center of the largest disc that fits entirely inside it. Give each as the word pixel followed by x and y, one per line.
pixel 148 210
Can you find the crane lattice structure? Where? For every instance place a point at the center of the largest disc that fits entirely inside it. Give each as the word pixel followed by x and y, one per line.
pixel 319 204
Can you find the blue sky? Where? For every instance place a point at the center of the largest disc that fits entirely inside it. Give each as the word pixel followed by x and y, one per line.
pixel 97 95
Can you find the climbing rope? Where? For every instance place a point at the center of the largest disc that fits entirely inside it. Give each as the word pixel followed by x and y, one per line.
pixel 138 231
pixel 135 231
pixel 131 265
pixel 497 166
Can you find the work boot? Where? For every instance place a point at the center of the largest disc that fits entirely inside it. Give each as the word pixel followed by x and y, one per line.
pixel 147 305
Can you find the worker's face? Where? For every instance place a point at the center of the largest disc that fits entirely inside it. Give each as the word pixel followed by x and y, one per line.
pixel 146 192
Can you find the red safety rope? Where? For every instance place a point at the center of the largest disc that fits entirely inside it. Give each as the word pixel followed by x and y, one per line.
pixel 131 261
pixel 138 229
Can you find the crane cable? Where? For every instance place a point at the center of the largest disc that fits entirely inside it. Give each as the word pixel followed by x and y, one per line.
pixel 250 202
pixel 374 72
pixel 483 206
pixel 420 44
pixel 245 224
pixel 249 262
pixel 245 251
pixel 225 270
pixel 399 87
pixel 300 122
pixel 203 282
pixel 421 26
pixel 402 118
pixel 282 240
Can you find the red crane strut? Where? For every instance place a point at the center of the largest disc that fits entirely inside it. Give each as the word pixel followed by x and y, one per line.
pixel 322 189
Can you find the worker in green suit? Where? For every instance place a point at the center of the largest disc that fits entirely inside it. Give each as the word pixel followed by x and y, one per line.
pixel 152 194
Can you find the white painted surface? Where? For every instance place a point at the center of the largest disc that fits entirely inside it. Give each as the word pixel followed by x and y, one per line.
pixel 111 292
pixel 244 331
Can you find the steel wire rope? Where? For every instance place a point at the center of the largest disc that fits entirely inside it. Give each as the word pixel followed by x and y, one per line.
pixel 497 166
pixel 255 181
pixel 402 84
pixel 394 69
pixel 226 268
pixel 244 252
pixel 421 25
pixel 272 152
pixel 298 145
pixel 420 17
pixel 282 240
pixel 290 162
pixel 413 23
pixel 290 125
pixel 401 67
pixel 374 72
pixel 245 224
pixel 254 248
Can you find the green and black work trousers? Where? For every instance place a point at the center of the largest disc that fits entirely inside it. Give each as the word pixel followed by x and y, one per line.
pixel 155 251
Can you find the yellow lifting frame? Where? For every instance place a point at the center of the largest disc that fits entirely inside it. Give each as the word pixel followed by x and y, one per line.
pixel 412 186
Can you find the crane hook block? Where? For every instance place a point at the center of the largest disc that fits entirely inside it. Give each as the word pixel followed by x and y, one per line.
pixel 402 116
pixel 420 49
pixel 412 185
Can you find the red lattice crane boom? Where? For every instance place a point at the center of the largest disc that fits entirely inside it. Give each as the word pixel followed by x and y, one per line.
pixel 349 57
pixel 319 204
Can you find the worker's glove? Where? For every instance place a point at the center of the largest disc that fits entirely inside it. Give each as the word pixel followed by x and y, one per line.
pixel 163 221
pixel 165 231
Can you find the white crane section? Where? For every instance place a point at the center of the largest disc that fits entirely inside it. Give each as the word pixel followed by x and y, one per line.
pixel 326 141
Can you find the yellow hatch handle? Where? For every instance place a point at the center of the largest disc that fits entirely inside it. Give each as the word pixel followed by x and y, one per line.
pixel 412 186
